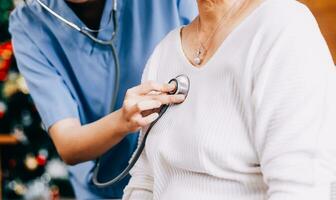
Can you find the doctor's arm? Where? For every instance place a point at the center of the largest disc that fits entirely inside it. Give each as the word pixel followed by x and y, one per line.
pixel 72 139
pixel 59 111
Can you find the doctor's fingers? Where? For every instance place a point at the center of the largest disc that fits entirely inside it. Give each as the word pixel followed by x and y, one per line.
pixel 166 99
pixel 139 121
pixel 142 105
pixel 151 86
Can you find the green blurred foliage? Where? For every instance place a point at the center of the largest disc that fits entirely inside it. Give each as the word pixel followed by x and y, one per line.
pixel 5 8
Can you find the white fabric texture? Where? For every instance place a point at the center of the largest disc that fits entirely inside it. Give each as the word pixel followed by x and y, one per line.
pixel 259 121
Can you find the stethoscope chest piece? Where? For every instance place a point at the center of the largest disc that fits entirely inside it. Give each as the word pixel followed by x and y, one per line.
pixel 182 83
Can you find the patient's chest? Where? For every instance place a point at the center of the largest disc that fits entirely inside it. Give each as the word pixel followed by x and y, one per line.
pixel 209 132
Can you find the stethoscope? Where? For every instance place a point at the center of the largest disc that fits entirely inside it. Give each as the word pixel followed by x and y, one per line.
pixel 182 87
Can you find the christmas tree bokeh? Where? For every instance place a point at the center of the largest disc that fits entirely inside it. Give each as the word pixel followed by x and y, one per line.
pixel 31 168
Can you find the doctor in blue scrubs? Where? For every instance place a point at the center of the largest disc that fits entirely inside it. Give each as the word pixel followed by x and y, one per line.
pixel 71 78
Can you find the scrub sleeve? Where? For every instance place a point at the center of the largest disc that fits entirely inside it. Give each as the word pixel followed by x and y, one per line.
pixel 51 96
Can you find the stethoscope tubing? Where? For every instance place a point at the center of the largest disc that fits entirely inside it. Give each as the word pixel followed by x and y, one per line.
pixel 182 87
pixel 132 161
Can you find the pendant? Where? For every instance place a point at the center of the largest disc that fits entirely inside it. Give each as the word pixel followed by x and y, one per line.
pixel 197 60
pixel 198 55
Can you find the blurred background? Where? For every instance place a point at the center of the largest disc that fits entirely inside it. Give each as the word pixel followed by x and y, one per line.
pixel 325 13
pixel 29 165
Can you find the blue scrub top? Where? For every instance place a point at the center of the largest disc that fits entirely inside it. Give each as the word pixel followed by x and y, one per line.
pixel 70 76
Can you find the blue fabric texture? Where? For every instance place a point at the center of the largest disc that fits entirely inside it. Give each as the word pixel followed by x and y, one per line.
pixel 70 76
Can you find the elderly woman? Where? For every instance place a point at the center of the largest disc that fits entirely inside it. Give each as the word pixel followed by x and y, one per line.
pixel 258 122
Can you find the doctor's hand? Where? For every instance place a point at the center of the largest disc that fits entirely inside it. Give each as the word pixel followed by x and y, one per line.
pixel 141 106
pixel 142 103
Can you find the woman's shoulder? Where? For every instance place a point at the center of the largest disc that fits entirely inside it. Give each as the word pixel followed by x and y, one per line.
pixel 283 23
pixel 277 15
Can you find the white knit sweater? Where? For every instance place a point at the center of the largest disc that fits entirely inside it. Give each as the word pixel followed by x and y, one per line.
pixel 259 121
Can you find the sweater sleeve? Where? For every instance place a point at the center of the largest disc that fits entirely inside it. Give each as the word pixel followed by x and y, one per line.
pixel 141 183
pixel 294 106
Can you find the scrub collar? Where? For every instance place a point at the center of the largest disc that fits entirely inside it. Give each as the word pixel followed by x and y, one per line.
pixel 63 9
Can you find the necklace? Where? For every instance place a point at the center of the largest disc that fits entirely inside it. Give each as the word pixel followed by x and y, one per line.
pixel 201 51
pixel 203 47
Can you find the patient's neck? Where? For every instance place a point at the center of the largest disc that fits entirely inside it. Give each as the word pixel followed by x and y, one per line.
pixel 212 11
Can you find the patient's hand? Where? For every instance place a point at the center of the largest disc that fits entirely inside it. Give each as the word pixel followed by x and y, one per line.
pixel 142 103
